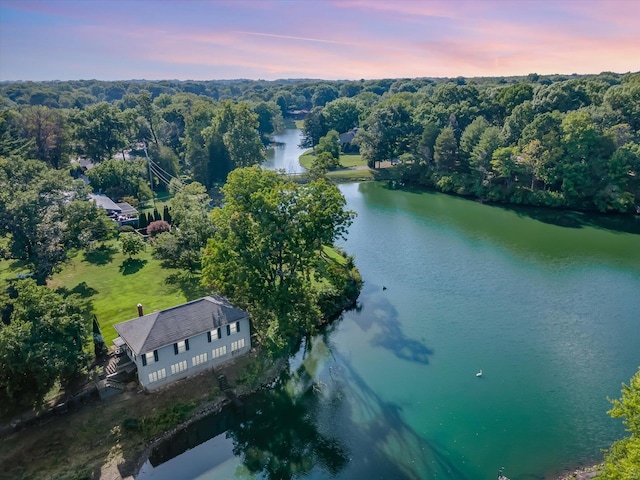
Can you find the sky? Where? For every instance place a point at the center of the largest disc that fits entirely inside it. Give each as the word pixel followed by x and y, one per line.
pixel 319 39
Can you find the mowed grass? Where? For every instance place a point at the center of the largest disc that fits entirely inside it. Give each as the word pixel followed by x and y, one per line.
pixel 10 269
pixel 116 284
pixel 347 161
pixel 333 255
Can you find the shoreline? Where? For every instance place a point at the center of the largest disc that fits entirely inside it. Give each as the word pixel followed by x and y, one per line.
pixel 212 407
pixel 582 473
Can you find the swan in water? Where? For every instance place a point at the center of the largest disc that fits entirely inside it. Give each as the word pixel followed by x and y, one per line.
pixel 479 374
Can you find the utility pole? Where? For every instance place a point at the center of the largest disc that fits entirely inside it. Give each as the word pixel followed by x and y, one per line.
pixel 153 194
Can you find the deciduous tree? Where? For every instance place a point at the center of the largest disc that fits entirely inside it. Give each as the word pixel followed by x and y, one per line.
pixel 101 130
pixel 46 340
pixel 330 144
pixel 39 209
pixel 266 242
pixel 342 114
pixel 132 244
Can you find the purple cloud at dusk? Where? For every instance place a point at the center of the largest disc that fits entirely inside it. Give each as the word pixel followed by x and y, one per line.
pixel 349 39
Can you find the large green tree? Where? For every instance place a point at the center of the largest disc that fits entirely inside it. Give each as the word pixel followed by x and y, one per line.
pixel 267 241
pixel 270 118
pixel 121 178
pixel 314 127
pixel 231 141
pixel 242 139
pixel 46 339
pixel 342 114
pixel 388 132
pixel 330 144
pixel 445 151
pixel 101 130
pixel 132 244
pixel 39 211
pixel 182 248
pixel 48 131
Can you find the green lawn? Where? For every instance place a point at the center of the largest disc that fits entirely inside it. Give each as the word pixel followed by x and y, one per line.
pixel 347 161
pixel 116 285
pixel 352 170
pixel 10 269
pixel 350 175
pixel 332 253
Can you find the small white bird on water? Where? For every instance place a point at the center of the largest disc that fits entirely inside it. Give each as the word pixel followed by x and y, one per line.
pixel 479 374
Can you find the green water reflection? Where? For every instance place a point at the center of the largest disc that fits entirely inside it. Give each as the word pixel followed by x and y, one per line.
pixel 550 313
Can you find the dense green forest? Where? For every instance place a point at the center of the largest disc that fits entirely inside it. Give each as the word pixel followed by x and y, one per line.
pixel 188 145
pixel 558 141
pixel 565 142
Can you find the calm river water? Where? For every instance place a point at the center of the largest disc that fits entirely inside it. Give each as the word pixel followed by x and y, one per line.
pixel 550 313
pixel 285 152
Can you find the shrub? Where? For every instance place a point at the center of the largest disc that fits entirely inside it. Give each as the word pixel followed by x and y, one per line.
pixel 157 227
pixel 126 229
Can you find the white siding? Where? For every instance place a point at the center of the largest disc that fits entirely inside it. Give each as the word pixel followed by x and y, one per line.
pixel 208 354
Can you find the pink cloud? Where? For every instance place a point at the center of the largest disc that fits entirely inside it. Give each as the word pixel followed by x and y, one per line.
pixel 347 39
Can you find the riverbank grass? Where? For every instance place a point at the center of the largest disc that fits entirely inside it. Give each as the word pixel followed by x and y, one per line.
pixel 347 161
pixel 354 169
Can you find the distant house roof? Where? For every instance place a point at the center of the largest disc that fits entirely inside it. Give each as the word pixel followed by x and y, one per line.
pixel 347 137
pixel 104 202
pixel 86 163
pixel 150 332
pixel 297 112
pixel 126 209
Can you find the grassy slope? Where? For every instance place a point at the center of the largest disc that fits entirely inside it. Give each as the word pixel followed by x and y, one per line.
pixel 347 161
pixel 116 285
pixel 354 169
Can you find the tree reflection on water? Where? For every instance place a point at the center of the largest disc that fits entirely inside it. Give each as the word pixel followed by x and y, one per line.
pixel 281 439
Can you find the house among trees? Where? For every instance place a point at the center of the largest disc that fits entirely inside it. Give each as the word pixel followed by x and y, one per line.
pixel 171 344
pixel 121 213
pixel 346 141
pixel 297 114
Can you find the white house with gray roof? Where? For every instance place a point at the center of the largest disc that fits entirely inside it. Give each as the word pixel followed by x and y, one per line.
pixel 171 344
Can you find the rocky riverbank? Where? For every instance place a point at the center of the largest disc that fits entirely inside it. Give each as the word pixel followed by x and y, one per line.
pixel 585 473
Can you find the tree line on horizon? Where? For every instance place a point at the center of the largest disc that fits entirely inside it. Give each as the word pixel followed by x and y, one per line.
pixel 557 141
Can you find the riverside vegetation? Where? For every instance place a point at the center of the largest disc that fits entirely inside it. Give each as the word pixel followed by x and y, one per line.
pixel 564 142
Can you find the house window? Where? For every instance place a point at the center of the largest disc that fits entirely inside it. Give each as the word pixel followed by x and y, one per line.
pixel 219 352
pixel 198 359
pixel 181 347
pixel 215 334
pixel 149 358
pixel 178 367
pixel 157 375
pixel 237 345
pixel 233 328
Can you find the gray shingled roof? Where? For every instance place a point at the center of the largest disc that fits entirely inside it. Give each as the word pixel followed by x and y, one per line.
pixel 127 209
pixel 104 202
pixel 150 332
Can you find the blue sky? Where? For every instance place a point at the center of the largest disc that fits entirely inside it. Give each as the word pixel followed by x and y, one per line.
pixel 349 39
